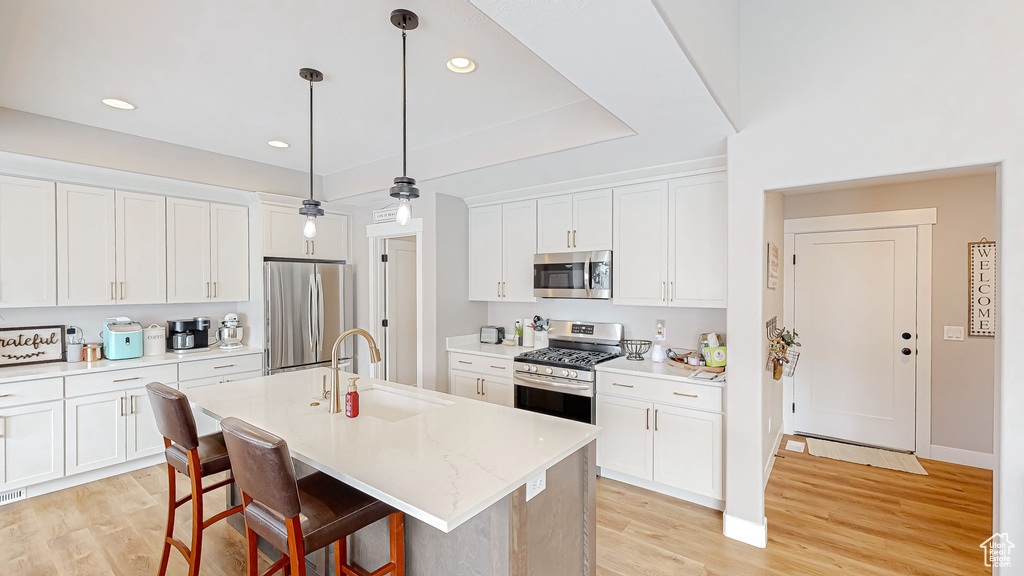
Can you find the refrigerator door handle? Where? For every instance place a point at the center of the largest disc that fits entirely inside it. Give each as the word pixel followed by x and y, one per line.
pixel 309 313
pixel 319 314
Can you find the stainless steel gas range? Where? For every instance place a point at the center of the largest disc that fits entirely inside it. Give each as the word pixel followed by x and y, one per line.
pixel 560 380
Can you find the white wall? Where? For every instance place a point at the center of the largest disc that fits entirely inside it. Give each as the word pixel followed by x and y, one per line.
pixel 772 306
pixel 841 91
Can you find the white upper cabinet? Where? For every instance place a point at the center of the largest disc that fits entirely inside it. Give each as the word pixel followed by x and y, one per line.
pixel 28 250
pixel 141 248
pixel 282 235
pixel 575 222
pixel 485 253
pixel 188 250
pixel 207 252
pixel 519 233
pixel 331 242
pixel 640 257
pixel 86 270
pixel 592 220
pixel 229 252
pixel 502 244
pixel 554 224
pixel 697 241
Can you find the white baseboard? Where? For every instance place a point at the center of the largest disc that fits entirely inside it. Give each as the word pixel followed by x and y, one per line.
pixel 963 457
pixel 745 531
pixel 770 464
pixel 706 501
pixel 93 475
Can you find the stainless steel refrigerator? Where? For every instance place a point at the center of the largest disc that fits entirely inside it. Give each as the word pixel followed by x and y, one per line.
pixel 308 305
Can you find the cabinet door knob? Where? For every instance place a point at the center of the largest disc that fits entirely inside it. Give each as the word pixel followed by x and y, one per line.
pixel 906 351
pixel 906 336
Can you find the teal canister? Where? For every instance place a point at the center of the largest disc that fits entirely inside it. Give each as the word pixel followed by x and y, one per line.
pixel 122 339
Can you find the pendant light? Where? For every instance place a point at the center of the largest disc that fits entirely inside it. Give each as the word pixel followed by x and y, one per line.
pixel 405 187
pixel 310 208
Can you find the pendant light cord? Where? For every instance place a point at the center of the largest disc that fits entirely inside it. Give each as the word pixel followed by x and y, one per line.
pixel 310 139
pixel 405 151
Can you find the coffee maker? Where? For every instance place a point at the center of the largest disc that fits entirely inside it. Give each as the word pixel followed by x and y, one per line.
pixel 188 335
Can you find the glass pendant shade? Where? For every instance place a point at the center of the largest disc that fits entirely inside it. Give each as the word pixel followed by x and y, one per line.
pixel 404 212
pixel 309 229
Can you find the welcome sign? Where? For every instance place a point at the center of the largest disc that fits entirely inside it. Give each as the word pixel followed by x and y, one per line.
pixel 982 288
pixel 31 345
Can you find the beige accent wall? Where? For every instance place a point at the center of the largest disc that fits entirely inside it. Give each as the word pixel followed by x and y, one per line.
pixel 962 372
pixel 772 304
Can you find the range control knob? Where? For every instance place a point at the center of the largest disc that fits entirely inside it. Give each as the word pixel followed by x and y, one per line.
pixel 533 368
pixel 565 372
pixel 547 370
pixel 573 374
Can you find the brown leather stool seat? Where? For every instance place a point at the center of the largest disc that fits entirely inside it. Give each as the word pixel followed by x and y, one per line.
pixel 213 456
pixel 301 515
pixel 194 456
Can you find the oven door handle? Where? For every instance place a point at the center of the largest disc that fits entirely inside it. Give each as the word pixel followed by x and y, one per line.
pixel 553 384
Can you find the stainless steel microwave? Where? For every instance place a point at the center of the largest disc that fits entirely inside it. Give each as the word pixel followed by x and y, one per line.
pixel 573 275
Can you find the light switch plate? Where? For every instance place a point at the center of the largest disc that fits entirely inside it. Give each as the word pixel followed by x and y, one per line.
pixel 536 485
pixel 955 333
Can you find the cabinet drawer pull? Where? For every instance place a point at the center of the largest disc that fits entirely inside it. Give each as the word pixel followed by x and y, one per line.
pixel 122 290
pixel 133 409
pixel 121 401
pixel 622 385
pixel 567 245
pixel 648 420
pixel 224 366
pixel 687 395
pixel 214 289
pixel 5 395
pixel 655 419
pixel 499 289
pixel 464 362
pixel 573 238
pixel 477 385
pixel 207 289
pixel 128 379
pixel 497 367
pixel 312 244
pixel 112 296
pixel 671 291
pixel 483 389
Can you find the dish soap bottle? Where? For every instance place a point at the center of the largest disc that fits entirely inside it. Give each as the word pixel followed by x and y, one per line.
pixel 352 399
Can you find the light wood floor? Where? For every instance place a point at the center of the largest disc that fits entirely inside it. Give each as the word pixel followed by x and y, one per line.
pixel 824 517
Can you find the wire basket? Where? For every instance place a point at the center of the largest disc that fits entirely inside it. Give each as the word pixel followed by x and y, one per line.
pixel 788 365
pixel 635 349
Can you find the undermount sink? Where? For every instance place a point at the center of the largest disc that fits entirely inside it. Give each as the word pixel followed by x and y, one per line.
pixel 394 405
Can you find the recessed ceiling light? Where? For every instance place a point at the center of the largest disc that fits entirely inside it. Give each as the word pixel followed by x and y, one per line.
pixel 461 65
pixel 278 144
pixel 119 104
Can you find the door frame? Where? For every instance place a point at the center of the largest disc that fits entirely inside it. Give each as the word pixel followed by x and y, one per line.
pixel 376 234
pixel 923 219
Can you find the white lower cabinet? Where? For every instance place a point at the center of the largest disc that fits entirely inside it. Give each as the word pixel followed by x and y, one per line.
pixel 483 387
pixel 110 428
pixel 199 373
pixel 143 437
pixel 31 444
pixel 651 437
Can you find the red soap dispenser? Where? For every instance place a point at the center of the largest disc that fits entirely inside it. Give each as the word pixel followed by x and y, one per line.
pixel 352 399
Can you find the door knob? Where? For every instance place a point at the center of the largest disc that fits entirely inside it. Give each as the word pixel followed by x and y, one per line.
pixel 906 351
pixel 906 335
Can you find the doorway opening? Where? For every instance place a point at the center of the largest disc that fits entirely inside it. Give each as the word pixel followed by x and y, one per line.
pixel 396 299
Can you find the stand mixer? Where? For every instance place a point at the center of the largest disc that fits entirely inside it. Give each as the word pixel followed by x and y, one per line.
pixel 230 333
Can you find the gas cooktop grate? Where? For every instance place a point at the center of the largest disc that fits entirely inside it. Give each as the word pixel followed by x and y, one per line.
pixel 567 356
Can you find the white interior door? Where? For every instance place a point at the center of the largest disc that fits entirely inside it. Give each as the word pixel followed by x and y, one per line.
pixel 400 302
pixel 855 308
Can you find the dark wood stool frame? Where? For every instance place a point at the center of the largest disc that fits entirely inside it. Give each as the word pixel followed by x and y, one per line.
pixel 294 562
pixel 194 554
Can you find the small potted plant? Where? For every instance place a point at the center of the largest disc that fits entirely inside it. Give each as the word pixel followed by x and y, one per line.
pixel 777 350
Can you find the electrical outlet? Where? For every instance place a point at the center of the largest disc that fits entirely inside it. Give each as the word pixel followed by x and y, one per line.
pixel 660 332
pixel 536 485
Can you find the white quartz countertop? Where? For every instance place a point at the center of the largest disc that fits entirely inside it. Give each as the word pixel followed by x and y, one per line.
pixel 439 458
pixel 667 370
pixel 471 345
pixel 59 369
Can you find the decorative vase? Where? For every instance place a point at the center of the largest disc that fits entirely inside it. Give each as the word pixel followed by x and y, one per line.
pixel 777 369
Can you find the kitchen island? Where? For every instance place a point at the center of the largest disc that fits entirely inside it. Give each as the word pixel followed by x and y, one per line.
pixel 457 467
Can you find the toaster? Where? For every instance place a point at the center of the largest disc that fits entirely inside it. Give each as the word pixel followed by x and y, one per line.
pixel 492 334
pixel 122 339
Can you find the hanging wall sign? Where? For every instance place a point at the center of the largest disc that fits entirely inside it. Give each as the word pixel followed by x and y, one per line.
pixel 982 287
pixel 32 345
pixel 385 215
pixel 773 266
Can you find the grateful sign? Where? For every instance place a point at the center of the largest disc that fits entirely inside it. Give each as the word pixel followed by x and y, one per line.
pixel 31 345
pixel 982 288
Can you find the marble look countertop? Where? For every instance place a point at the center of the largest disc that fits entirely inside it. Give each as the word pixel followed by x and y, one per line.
pixel 667 370
pixel 60 369
pixel 471 345
pixel 439 458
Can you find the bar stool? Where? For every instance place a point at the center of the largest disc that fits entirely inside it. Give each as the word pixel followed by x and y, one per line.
pixel 308 514
pixel 193 456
